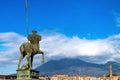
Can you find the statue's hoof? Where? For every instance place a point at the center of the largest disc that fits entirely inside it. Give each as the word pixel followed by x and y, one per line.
pixel 30 68
pixel 18 68
pixel 42 61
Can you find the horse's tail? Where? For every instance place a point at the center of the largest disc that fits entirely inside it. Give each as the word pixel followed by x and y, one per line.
pixel 22 49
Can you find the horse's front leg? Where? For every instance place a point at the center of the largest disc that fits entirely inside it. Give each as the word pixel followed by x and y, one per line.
pixel 41 52
pixel 20 59
pixel 29 62
pixel 42 57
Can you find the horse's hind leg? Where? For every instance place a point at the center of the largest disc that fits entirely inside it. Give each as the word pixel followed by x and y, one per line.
pixel 29 62
pixel 20 59
pixel 32 59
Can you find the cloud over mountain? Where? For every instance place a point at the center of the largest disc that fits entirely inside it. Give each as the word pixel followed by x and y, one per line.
pixel 99 50
pixel 57 46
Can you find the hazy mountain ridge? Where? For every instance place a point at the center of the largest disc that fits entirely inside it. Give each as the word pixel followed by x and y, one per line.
pixel 76 66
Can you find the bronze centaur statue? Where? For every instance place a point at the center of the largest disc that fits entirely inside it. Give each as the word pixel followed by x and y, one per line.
pixel 27 49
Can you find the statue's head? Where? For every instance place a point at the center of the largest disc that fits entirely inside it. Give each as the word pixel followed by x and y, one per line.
pixel 34 31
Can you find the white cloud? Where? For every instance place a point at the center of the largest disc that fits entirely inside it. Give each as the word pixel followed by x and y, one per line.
pixel 58 46
pixel 3 59
pixel 73 47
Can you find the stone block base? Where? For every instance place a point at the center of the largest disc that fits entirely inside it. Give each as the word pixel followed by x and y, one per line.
pixel 27 75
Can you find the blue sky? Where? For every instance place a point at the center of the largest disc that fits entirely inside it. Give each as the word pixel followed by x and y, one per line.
pixel 70 17
pixel 85 29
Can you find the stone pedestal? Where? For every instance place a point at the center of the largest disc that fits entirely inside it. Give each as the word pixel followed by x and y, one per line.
pixel 27 75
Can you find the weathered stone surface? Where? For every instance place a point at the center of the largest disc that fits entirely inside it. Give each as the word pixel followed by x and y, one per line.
pixel 27 75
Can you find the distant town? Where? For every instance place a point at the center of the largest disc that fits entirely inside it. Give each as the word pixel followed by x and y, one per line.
pixel 110 76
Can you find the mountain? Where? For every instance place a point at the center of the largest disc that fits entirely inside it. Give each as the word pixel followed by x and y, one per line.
pixel 76 66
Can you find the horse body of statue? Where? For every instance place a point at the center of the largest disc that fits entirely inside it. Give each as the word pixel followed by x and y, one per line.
pixel 27 49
